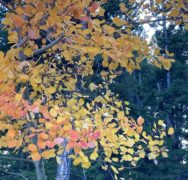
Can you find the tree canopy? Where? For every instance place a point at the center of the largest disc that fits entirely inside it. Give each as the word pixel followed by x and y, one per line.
pixel 48 102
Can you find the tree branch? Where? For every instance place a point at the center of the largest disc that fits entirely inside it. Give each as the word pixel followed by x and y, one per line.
pixel 140 5
pixel 157 20
pixel 6 6
pixel 13 173
pixel 17 159
pixel 43 49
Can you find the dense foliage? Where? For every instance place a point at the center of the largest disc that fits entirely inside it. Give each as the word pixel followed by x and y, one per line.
pixel 59 87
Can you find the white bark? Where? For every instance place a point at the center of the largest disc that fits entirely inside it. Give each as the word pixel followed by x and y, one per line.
pixel 63 169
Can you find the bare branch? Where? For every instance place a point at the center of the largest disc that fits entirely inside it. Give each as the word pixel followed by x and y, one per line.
pixel 4 4
pixel 140 5
pixel 157 20
pixel 13 173
pixel 43 49
pixel 17 159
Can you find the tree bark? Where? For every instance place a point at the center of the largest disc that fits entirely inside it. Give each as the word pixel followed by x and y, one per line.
pixel 40 171
pixel 168 80
pixel 39 165
pixel 63 169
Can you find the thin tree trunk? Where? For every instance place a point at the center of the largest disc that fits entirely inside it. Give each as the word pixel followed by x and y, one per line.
pixel 39 165
pixel 158 87
pixel 40 171
pixel 168 77
pixel 63 169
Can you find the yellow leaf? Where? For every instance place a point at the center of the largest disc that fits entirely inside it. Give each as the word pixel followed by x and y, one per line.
pixel 77 161
pixel 101 12
pixel 13 37
pixel 58 159
pixel 105 167
pixel 113 65
pixel 164 154
pixel 127 157
pixel 92 86
pixel 120 115
pixel 105 63
pixel 48 154
pixel 48 125
pixel 142 154
pixel 94 155
pixel 70 84
pixel 171 131
pixel 86 165
pixel 18 97
pixel 59 152
pixel 127 103
pixel 50 90
pixel 118 21
pixel 1 55
pixel 122 7
pixel 85 159
pixel 152 156
pixel 115 159
pixel 28 51
pixel 90 49
pixel 53 112
pixel 114 169
pixel 160 122
pixel 24 77
pixel 81 102
pixel 166 62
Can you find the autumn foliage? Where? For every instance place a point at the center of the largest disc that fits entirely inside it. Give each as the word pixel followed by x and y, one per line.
pixel 43 81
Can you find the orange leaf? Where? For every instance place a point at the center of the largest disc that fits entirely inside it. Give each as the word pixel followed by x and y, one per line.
pixel 12 143
pixel 41 144
pixel 50 144
pixel 32 148
pixel 18 21
pixel 139 129
pixel 11 133
pixel 140 121
pixel 43 136
pixel 35 156
pixel 93 7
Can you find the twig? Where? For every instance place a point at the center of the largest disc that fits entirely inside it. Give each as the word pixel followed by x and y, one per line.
pixel 110 174
pixel 43 49
pixel 13 173
pixel 140 5
pixel 157 20
pixel 17 159
pixel 6 6
pixel 85 178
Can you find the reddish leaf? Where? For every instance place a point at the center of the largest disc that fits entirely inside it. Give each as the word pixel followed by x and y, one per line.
pixel 33 34
pixel 91 145
pixel 58 140
pixel 18 21
pixel 50 144
pixel 74 135
pixel 93 7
